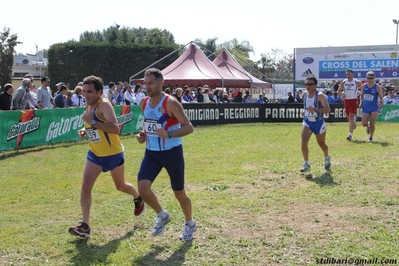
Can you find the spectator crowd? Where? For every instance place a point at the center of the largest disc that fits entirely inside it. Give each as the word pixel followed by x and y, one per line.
pixel 27 96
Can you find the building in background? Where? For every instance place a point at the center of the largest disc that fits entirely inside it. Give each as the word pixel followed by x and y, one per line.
pixel 36 65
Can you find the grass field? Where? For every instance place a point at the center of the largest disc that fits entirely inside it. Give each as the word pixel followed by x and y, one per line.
pixel 251 203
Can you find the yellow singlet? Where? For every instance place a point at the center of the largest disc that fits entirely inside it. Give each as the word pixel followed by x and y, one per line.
pixel 102 143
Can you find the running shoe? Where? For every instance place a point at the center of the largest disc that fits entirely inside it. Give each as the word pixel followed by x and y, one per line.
pixel 327 163
pixel 160 223
pixel 188 231
pixel 370 139
pixel 139 206
pixel 82 229
pixel 305 168
pixel 349 138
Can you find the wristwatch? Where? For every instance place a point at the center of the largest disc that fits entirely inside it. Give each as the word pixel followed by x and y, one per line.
pixel 93 122
pixel 170 134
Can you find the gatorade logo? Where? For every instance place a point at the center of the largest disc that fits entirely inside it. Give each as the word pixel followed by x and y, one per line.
pixel 27 123
pixel 125 117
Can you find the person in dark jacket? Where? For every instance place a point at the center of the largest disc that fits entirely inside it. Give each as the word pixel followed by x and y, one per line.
pixel 291 98
pixel 6 97
pixel 200 95
pixel 238 98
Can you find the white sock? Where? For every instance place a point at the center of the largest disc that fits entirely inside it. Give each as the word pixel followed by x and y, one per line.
pixel 162 213
pixel 190 222
pixel 307 162
pixel 350 134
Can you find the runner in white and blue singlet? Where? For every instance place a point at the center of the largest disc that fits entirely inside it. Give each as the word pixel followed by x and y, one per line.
pixel 315 105
pixel 165 123
pixel 158 117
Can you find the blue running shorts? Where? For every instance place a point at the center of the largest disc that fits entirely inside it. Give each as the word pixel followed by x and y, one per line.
pixel 318 127
pixel 370 109
pixel 172 160
pixel 108 163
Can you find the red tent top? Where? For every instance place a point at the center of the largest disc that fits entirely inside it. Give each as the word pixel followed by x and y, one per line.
pixel 227 63
pixel 194 69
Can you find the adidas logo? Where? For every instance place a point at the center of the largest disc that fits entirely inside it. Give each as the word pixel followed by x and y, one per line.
pixel 307 73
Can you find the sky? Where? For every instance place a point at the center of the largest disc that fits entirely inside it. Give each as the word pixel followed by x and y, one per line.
pixel 266 25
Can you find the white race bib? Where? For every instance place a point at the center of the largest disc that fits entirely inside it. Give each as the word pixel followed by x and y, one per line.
pixel 368 97
pixel 311 116
pixel 151 127
pixel 93 135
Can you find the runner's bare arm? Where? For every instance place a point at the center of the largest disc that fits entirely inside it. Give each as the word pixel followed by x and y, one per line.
pixel 82 132
pixel 106 111
pixel 326 106
pixel 175 109
pixel 341 86
pixel 140 136
pixel 381 96
pixel 359 85
pixel 361 96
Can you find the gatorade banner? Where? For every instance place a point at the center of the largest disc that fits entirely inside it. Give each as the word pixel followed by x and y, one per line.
pixel 390 113
pixel 19 129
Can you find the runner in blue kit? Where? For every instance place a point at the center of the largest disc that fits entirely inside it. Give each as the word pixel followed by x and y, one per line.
pixel 371 99
pixel 165 123
pixel 315 105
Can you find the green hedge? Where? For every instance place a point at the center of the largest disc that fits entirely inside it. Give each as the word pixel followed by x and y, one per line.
pixel 72 61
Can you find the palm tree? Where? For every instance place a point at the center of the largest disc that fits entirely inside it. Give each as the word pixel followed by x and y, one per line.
pixel 209 47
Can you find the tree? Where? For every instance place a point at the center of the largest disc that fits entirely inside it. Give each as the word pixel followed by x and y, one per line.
pixel 209 47
pixel 7 45
pixel 276 65
pixel 266 65
pixel 238 49
pixel 125 35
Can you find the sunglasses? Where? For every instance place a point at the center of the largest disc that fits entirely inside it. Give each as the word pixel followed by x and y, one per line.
pixel 347 74
pixel 369 78
pixel 309 84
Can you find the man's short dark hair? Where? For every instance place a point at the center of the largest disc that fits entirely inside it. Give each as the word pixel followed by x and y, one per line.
pixel 111 85
pixel 7 86
pixel 314 79
pixel 43 79
pixel 96 81
pixel 63 87
pixel 154 71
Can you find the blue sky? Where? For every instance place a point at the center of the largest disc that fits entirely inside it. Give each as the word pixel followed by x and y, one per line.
pixel 267 25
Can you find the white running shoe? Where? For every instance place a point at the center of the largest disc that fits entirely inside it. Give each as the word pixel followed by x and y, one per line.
pixel 305 168
pixel 327 163
pixel 188 231
pixel 160 223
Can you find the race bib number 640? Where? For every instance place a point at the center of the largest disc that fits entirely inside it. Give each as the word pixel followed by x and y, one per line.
pixel 151 127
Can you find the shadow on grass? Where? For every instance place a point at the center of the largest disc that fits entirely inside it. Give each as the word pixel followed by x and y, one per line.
pixel 177 258
pixel 382 143
pixel 325 179
pixel 95 254
pixel 98 254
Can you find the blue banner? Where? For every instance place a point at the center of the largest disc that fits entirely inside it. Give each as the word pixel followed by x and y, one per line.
pixel 383 68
